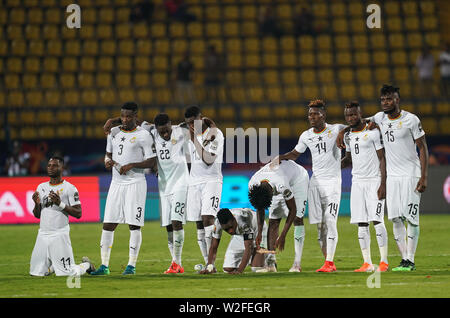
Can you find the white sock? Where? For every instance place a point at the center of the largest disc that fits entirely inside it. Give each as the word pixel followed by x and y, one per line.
pixel 399 231
pixel 382 239
pixel 106 243
pixel 413 239
pixel 364 243
pixel 332 239
pixel 208 237
pixel 135 245
pixel 170 244
pixel 178 241
pixel 299 239
pixel 202 244
pixel 322 237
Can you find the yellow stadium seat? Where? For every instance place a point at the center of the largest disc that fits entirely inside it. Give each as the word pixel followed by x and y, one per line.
pixel 432 39
pixel 392 8
pixel 159 79
pixel 401 74
pixel 367 91
pixel 444 126
pixel 35 48
pixel 235 60
pixel 160 63
pixel 335 110
pixel 70 64
pixel 358 25
pixel 227 112
pixel 231 12
pixel 348 91
pixel 45 116
pixel 195 29
pixel 143 47
pixel 425 108
pixel 14 64
pixel 284 127
pixel 144 96
pixel 413 55
pixel 252 77
pixel 29 81
pixel 238 94
pixel 289 77
pixel 251 44
pixel 124 63
pixel 52 98
pixel 126 47
pixel 249 12
pixel 306 42
pixel 394 24
pixel 158 30
pixel 234 77
pixel 443 108
pixel 233 45
pixel 15 98
pixel 106 15
pixel 346 75
pixel 281 111
pixel 177 29
pixel 338 9
pixel 141 79
pixel 342 42
pixel 325 59
pixel 409 7
pixel 88 64
pixel 429 126
pixel 108 47
pixel 380 57
pixel 340 25
pixel 252 60
pixel 179 46
pixel 329 91
pixel 90 47
pixel 123 80
pixel 32 32
pixel 72 48
pixel 412 23
pixel 310 91
pixel 17 16
pixel 163 96
pixel 288 44
pixel 89 15
pixel 306 59
pixel 107 96
pixel 32 65
pixel 323 42
pixel 67 80
pixel 106 64
pixel 12 81
pixel 382 74
pixel 71 98
pixel 212 12
pixel 249 28
pixel 123 14
pixel 54 47
pixel 247 112
pixel 87 32
pixel 320 9
pixel 262 111
pixel 103 80
pixel 292 93
pixel 122 31
pixel 414 40
pixel 274 93
pixel 308 76
pixel 85 80
pixel 269 45
pixel 213 29
pixel 344 58
pixel 142 63
pixel 270 60
pixel 161 46
pixel 271 77
pixel 364 75
pixel 326 75
pixel 35 16
pixel 427 7
pixel 360 42
pixel 396 40
pixel 47 80
pixel 89 97
pixel 14 32
pixel 69 34
pixel 140 31
pixel 362 58
pixel 18 48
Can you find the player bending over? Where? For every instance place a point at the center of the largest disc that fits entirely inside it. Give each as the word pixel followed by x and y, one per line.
pixel 242 225
pixel 54 202
pixel 365 152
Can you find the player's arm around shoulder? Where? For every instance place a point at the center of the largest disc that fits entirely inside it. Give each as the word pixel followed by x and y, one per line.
pixel 346 161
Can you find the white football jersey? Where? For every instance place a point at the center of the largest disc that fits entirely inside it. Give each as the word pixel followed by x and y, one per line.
pixel 292 171
pixel 326 156
pixel 200 171
pixel 53 218
pixel 275 177
pixel 399 137
pixel 129 147
pixel 247 224
pixel 363 146
pixel 173 173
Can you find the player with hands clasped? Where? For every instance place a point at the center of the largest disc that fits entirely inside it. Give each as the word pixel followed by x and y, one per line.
pixel 365 153
pixel 241 251
pixel 129 152
pixel 54 202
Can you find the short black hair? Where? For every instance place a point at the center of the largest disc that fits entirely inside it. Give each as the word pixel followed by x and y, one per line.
pixel 224 216
pixel 61 159
pixel 161 119
pixel 353 103
pixel 192 111
pixel 318 103
pixel 388 89
pixel 260 196
pixel 130 106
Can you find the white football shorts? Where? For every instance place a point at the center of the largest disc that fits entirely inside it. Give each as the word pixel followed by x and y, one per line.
pixel 203 199
pixel 278 209
pixel 172 207
pixel 53 250
pixel 364 204
pixel 324 198
pixel 402 198
pixel 125 203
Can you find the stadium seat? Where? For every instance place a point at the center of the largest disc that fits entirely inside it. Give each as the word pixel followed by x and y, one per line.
pixel 29 81
pixel 126 47
pixel 108 47
pixel 195 30
pixel 88 64
pixel 344 58
pixel 329 91
pixel 325 59
pixel 144 96
pixel 32 32
pixel 249 28
pixel 123 80
pixel 323 42
pixel 231 12
pixel 274 93
pixel 85 80
pixel 35 48
pixel 140 31
pixel 90 47
pixel 348 91
pixel 292 93
pixel 213 29
pixel 106 64
pixel 32 65
pixel 12 81
pixel 107 96
pixel 367 91
pixel 227 112
pixel 443 108
pixel 429 126
pixel 71 98
pixel 342 42
pixel 124 63
pixel 143 47
pixel 425 108
pixel 396 40
pixel 72 48
pixel 67 80
pixel 47 80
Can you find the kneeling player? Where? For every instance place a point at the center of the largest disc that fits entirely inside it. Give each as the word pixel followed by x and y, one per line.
pixel 241 223
pixel 54 202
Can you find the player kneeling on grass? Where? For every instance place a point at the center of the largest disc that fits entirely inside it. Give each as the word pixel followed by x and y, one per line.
pixel 241 223
pixel 54 202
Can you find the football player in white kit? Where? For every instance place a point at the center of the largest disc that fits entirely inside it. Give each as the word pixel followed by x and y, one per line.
pixel 287 186
pixel 324 194
pixel 407 172
pixel 54 202
pixel 205 178
pixel 128 152
pixel 241 223
pixel 365 153
pixel 173 176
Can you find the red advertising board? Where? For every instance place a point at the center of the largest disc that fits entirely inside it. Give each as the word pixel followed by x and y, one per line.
pixel 16 203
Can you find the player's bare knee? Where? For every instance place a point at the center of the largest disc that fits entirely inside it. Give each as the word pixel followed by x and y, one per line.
pixel 364 224
pixel 169 228
pixel 177 225
pixel 208 220
pixel 199 225
pixel 109 226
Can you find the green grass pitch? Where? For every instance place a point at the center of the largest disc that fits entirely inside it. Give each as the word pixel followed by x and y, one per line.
pixel 431 279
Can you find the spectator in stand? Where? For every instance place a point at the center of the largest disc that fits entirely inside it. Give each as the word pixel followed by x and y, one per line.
pixel 303 22
pixel 184 86
pixel 177 9
pixel 142 11
pixel 425 67
pixel 268 22
pixel 17 164
pixel 213 74
pixel 444 65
